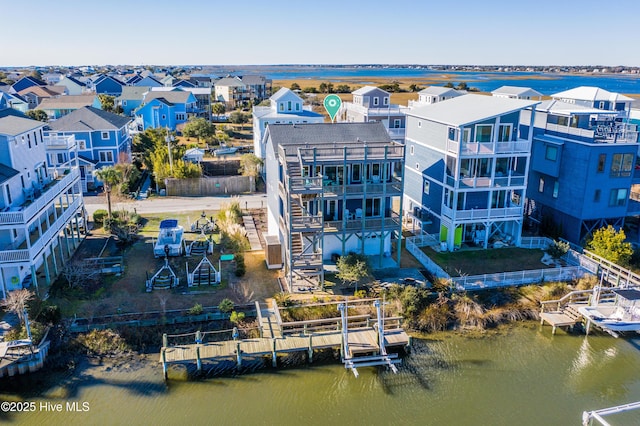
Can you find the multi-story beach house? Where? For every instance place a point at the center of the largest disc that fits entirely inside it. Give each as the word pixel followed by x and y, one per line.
pixel 373 104
pixel 434 94
pixel 169 109
pixel 39 205
pixel 583 163
pixel 515 92
pixel 333 189
pixel 466 168
pixel 102 138
pixel 286 108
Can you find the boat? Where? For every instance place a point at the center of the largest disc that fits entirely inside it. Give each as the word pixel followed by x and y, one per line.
pixel 620 315
pixel 225 150
pixel 169 239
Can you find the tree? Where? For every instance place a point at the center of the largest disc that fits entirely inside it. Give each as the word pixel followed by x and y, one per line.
pixel 250 166
pixel 130 173
pixel 185 170
pixel 37 114
pixel 111 177
pixel 107 102
pixel 226 305
pixel 323 87
pixel 352 268
pixel 199 128
pixel 16 301
pixel 414 88
pixel 295 86
pixel 609 243
pixel 448 85
pixel 218 109
pixel 343 88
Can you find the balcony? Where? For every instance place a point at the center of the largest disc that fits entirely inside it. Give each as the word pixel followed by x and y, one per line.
pixel 372 152
pixel 60 142
pixel 393 188
pixel 29 254
pixel 23 214
pixel 397 133
pixel 488 148
pixel 486 182
pixel 392 109
pixel 506 213
pixel 598 133
pixel 356 225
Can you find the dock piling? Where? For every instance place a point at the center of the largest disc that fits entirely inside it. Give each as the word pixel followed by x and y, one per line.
pixel 198 359
pixel 238 354
pixel 310 348
pixel 274 356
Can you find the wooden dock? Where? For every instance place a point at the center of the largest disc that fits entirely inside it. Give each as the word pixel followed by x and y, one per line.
pixel 565 316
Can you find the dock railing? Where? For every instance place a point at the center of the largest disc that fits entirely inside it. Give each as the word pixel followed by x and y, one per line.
pixel 509 279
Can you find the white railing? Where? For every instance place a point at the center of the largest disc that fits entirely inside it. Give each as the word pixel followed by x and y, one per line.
pixel 28 255
pixel 574 131
pixel 59 142
pixel 396 132
pixel 478 214
pixel 392 109
pixel 484 148
pixel 42 202
pixel 535 243
pixel 508 279
pixel 411 244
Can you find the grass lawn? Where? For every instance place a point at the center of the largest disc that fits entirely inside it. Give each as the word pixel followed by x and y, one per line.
pixel 478 262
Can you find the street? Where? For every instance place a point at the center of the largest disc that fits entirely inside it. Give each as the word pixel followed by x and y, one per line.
pixel 174 204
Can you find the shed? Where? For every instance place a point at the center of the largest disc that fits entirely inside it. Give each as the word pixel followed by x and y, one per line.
pixel 194 155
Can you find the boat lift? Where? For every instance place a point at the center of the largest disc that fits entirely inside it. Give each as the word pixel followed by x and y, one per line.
pixel 165 278
pixel 382 358
pixel 204 273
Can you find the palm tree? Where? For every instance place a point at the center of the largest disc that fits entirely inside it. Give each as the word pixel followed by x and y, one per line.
pixel 111 177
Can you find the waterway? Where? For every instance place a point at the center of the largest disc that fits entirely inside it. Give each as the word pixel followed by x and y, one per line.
pixel 519 375
pixel 545 83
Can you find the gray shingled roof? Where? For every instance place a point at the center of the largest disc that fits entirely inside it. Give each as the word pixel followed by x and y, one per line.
pixel 253 79
pixel 89 118
pixel 133 93
pixel 229 81
pixel 326 133
pixel 7 173
pixel 67 102
pixel 174 96
pixel 12 125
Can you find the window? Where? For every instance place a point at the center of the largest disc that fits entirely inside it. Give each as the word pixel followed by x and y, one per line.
pixel 180 117
pixel 60 158
pixel 8 191
pixel 82 144
pixel 385 100
pixel 556 186
pixel 124 103
pixel 596 196
pixel 419 124
pixel 504 133
pixel 297 106
pixel 541 185
pixel 375 101
pixel 396 123
pixel 417 166
pixel 453 133
pixel 105 135
pixel 355 173
pixel 281 106
pixel 602 159
pixel 563 121
pixel 483 132
pixel 427 186
pixel 106 156
pixel 621 165
pixel 466 135
pixel 29 139
pixel 372 207
pixel 551 153
pixel 601 105
pixel 412 149
pixel 618 197
pixel 164 117
pixel 288 105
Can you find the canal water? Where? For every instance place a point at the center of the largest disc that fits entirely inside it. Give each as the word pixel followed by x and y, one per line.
pixel 515 376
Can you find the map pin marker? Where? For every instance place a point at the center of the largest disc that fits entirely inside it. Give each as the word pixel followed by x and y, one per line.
pixel 332 104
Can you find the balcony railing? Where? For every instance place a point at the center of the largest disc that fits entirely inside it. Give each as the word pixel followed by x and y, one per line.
pixel 28 255
pixel 615 133
pixel 306 223
pixel 374 151
pixel 60 142
pixel 397 132
pixel 392 109
pixel 487 148
pixel 486 182
pixel 24 214
pixel 390 189
pixel 369 223
pixel 480 214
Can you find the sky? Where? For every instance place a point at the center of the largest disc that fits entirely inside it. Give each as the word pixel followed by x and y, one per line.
pixel 247 32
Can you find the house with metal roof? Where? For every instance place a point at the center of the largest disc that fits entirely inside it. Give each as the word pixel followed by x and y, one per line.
pixel 38 204
pixel 332 189
pixel 286 108
pixel 466 168
pixel 515 92
pixel 373 104
pixel 583 164
pixel 169 109
pixel 102 138
pixel 60 106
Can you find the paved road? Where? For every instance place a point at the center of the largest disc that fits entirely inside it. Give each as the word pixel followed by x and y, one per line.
pixel 174 204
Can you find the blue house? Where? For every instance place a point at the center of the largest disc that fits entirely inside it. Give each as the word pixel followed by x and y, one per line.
pixel 108 85
pixel 466 165
pixel 131 98
pixel 168 109
pixel 102 138
pixel 583 164
pixel 26 82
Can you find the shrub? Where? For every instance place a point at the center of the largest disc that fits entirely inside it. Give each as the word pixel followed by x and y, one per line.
pixel 360 294
pixel 20 333
pixel 236 317
pixel 241 268
pixel 226 305
pixel 195 310
pixel 557 249
pixel 99 216
pixel 102 342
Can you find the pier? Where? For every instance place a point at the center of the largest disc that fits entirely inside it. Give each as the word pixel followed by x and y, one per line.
pixel 361 339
